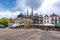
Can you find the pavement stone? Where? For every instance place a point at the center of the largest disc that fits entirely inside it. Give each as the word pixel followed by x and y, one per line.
pixel 50 35
pixel 20 34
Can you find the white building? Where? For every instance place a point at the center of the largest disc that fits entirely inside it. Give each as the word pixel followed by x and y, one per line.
pixel 46 19
pixel 53 19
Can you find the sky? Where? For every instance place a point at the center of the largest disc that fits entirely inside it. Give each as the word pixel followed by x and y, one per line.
pixel 11 8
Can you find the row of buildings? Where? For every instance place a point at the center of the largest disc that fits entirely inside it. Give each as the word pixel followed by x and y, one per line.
pixel 36 19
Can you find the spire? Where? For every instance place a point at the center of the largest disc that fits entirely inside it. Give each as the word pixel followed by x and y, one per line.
pixel 27 12
pixel 31 15
pixel 32 12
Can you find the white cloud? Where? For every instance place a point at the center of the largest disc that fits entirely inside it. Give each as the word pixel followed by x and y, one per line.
pixel 8 14
pixel 20 5
pixel 47 6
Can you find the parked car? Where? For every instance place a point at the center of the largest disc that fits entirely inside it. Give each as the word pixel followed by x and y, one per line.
pixel 13 25
pixel 1 26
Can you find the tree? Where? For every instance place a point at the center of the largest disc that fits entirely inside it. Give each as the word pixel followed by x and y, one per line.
pixel 4 21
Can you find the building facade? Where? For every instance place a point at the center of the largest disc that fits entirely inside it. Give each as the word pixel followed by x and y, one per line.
pixel 54 18
pixel 59 19
pixel 40 20
pixel 46 19
pixel 35 19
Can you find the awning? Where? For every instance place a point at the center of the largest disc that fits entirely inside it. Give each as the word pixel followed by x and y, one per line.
pixel 48 24
pixel 57 25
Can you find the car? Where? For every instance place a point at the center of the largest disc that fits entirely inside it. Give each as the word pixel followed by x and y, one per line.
pixel 13 25
pixel 1 26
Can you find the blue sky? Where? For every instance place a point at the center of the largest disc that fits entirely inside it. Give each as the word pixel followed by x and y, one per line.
pixel 7 5
pixel 11 8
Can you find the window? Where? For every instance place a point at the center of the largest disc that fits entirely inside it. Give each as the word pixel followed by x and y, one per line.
pixel 44 21
pixel 52 20
pixel 44 18
pixel 41 22
pixel 55 18
pixel 47 18
pixel 47 21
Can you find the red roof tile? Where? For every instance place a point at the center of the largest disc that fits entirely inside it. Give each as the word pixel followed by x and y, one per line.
pixel 53 15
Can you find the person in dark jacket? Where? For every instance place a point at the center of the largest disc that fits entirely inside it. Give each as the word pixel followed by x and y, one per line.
pixel 47 28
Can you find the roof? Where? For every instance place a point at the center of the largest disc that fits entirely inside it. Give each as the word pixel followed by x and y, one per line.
pixel 36 14
pixel 20 15
pixel 40 15
pixel 46 15
pixel 53 15
pixel 15 19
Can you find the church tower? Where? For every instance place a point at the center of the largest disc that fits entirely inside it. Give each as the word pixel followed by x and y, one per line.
pixel 27 13
pixel 32 14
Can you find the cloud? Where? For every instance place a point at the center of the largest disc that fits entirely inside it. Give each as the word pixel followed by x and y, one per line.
pixel 57 4
pixel 20 5
pixel 8 14
pixel 35 4
pixel 48 7
pixel 40 6
pixel 56 7
pixel 28 4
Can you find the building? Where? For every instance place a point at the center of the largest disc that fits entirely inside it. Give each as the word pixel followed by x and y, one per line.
pixel 36 19
pixel 40 20
pixel 15 20
pixel 31 15
pixel 27 19
pixel 46 19
pixel 59 19
pixel 54 18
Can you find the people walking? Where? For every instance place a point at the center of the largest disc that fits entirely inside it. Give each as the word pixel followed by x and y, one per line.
pixel 47 28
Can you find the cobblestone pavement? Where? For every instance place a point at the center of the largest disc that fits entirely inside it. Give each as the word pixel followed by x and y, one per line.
pixel 20 34
pixel 50 35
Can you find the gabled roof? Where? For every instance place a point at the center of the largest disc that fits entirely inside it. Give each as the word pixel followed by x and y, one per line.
pixel 53 15
pixel 46 15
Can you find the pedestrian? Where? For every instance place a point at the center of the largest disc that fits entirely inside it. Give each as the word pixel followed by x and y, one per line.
pixel 47 28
